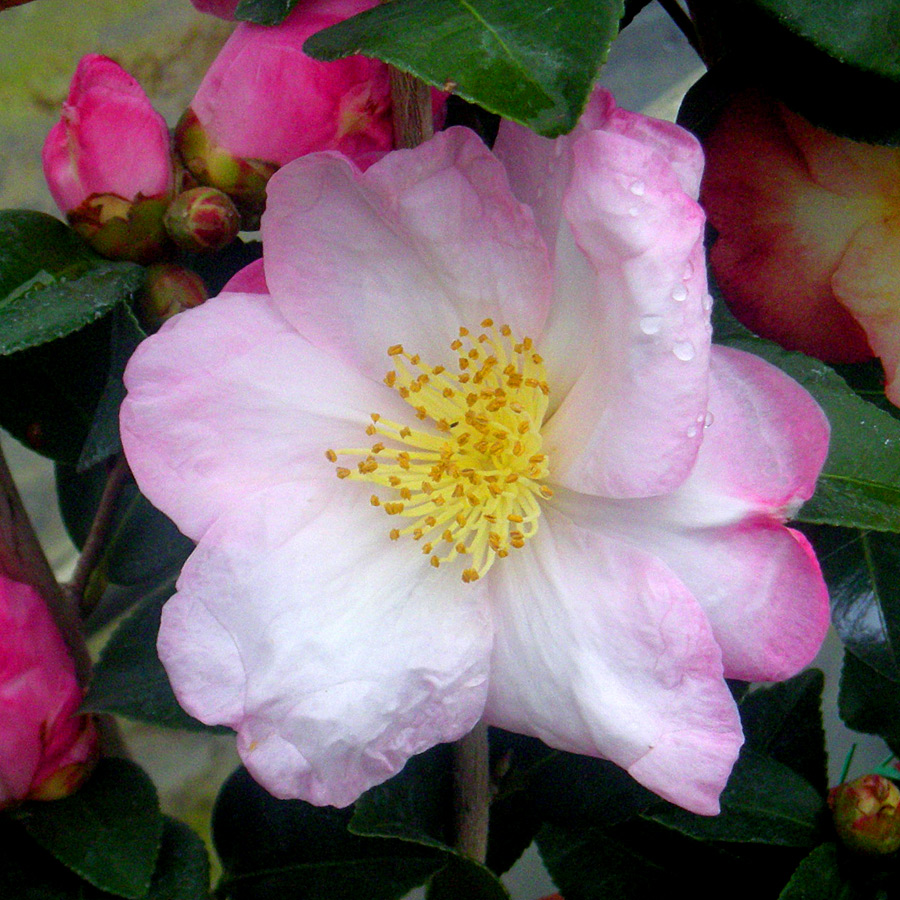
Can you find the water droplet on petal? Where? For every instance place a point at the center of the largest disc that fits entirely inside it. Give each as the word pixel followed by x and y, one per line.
pixel 707 302
pixel 637 188
pixel 650 324
pixel 679 295
pixel 633 211
pixel 708 419
pixel 684 350
pixel 692 431
pixel 688 271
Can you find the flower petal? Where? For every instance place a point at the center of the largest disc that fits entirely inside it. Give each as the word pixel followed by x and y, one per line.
pixel 600 649
pixel 227 398
pixel 335 653
pixel 426 241
pixel 249 280
pixel 623 428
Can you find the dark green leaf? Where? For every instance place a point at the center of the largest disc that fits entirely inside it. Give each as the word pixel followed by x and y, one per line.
pixel 784 722
pixel 109 831
pixel 51 283
pixel 129 679
pixel 861 570
pixel 414 805
pixel 264 12
pixel 287 848
pixel 819 877
pixel 763 802
pixel 533 61
pixel 868 701
pixel 466 878
pixel 182 870
pixel 141 542
pixel 864 34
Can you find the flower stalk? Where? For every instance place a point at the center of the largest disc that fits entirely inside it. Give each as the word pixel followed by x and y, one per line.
pixel 411 103
pixel 472 792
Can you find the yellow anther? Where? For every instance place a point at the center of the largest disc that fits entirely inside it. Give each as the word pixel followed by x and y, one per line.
pixel 331 456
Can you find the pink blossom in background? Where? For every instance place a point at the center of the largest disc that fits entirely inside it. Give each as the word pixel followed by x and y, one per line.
pixel 808 247
pixel 109 140
pixel 46 750
pixel 560 511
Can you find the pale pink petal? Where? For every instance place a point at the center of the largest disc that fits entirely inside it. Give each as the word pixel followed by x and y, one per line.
pixel 249 280
pixel 227 399
pixel 867 282
pixel 424 242
pixel 623 429
pixel 601 650
pixel 334 652
pixel 781 233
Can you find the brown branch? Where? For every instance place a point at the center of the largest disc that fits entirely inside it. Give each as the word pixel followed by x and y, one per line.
pixel 411 104
pixel 472 792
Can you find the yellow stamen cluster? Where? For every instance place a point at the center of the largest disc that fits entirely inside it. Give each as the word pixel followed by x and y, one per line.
pixel 470 477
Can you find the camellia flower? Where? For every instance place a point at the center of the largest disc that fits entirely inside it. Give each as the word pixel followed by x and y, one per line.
pixel 559 511
pixel 46 750
pixel 108 163
pixel 808 247
pixel 264 102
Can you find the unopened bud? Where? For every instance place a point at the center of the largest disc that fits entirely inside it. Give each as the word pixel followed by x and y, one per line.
pixel 202 220
pixel 168 290
pixel 123 229
pixel 866 814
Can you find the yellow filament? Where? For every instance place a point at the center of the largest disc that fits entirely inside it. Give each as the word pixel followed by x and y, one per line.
pixel 472 473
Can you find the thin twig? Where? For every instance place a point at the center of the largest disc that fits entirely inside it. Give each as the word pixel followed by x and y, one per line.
pixel 411 104
pixel 22 558
pixel 472 792
pixel 684 23
pixel 96 538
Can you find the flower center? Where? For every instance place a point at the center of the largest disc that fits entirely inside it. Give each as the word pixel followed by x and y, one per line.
pixel 470 476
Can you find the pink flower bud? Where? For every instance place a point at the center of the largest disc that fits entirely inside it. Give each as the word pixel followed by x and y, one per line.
pixel 202 220
pixel 264 102
pixel 46 750
pixel 108 158
pixel 224 9
pixel 866 814
pixel 169 290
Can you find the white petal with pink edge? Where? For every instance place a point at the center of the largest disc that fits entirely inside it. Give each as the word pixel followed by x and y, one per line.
pixel 601 650
pixel 335 653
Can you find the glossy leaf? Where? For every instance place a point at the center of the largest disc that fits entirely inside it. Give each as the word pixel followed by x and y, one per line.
pixel 129 679
pixel 784 721
pixel 109 831
pixel 861 570
pixel 182 870
pixel 869 702
pixel 264 12
pixel 288 848
pixel 141 542
pixel 463 877
pixel 764 802
pixel 819 877
pixel 532 61
pixel 51 283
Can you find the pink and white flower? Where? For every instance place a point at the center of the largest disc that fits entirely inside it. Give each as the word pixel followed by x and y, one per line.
pixel 46 748
pixel 585 501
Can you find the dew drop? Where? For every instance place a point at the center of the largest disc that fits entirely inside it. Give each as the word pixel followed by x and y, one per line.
pixel 688 271
pixel 708 419
pixel 679 295
pixel 707 302
pixel 637 188
pixel 650 324
pixel 633 211
pixel 684 350
pixel 692 431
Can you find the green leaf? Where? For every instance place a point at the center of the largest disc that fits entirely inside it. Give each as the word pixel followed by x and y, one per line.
pixel 533 61
pixel 867 701
pixel 129 679
pixel 108 832
pixel 182 869
pixel 51 283
pixel 784 722
pixel 264 12
pixel 287 848
pixel 466 878
pixel 764 802
pixel 861 570
pixel 819 877
pixel 141 541
pixel 860 482
pixel 859 33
